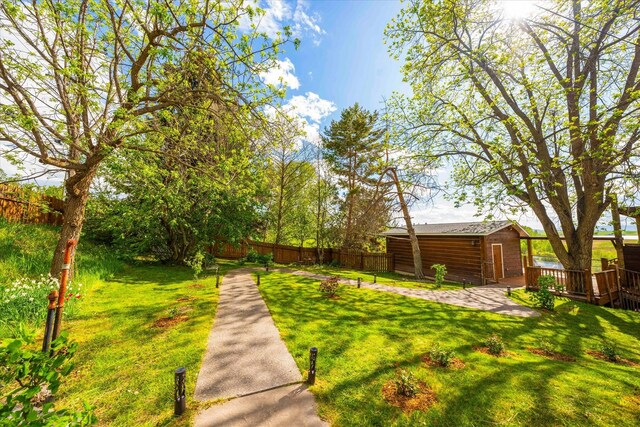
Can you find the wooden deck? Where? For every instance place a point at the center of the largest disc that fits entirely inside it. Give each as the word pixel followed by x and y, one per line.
pixel 614 287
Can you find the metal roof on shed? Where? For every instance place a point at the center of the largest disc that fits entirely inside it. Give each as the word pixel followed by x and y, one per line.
pixel 458 229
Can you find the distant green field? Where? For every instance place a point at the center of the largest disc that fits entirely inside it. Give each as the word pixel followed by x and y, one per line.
pixel 601 249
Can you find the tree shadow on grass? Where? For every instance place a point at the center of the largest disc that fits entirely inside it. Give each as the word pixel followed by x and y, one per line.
pixel 525 390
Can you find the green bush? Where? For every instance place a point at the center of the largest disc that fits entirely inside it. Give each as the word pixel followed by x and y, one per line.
pixel 265 260
pixel 406 384
pixel 441 356
pixel 546 347
pixel 610 351
pixel 440 272
pixel 334 263
pixel 544 297
pixel 242 261
pixel 253 256
pixel 330 286
pixel 494 345
pixel 27 372
pixel 196 263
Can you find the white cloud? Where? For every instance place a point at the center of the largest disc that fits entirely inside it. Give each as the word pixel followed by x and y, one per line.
pixel 282 73
pixel 307 111
pixel 310 105
pixel 306 24
pixel 280 13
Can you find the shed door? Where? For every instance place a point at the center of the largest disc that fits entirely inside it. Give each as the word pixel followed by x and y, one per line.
pixel 498 261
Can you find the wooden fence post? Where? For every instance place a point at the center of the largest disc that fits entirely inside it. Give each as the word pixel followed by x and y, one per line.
pixel 361 260
pixel 588 283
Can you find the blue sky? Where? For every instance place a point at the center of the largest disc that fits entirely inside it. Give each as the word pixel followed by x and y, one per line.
pixel 343 60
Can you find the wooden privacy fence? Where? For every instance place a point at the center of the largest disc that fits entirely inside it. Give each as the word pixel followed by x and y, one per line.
pixel 284 254
pixel 16 205
pixel 615 286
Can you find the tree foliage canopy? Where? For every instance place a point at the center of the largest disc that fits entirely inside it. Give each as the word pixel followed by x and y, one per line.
pixel 540 111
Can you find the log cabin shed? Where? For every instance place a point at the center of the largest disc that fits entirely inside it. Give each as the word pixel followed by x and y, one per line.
pixel 478 252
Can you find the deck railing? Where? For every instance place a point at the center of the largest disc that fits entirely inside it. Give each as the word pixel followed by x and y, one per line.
pixel 629 289
pixel 573 282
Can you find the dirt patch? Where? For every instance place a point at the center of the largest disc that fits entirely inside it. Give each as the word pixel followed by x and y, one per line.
pixel 454 363
pixel 167 322
pixel 196 286
pixel 185 299
pixel 485 350
pixel 553 355
pixel 423 400
pixel 619 361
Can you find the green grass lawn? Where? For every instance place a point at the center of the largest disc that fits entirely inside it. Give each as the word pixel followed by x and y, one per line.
pixel 387 278
pixel 125 363
pixel 365 336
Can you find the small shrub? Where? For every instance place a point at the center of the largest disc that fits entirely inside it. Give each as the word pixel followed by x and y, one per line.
pixel 253 256
pixel 196 263
pixel 546 347
pixel 441 271
pixel 544 298
pixel 441 356
pixel 406 384
pixel 334 263
pixel 265 260
pixel 610 351
pixel 494 345
pixel 173 312
pixel 27 372
pixel 330 286
pixel 242 261
pixel 209 260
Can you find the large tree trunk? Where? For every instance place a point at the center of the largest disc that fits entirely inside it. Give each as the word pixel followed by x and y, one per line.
pixel 415 245
pixel 77 193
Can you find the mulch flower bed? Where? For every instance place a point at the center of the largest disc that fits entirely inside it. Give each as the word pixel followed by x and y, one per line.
pixel 485 350
pixel 423 400
pixel 553 355
pixel 619 361
pixel 196 286
pixel 166 322
pixel 454 363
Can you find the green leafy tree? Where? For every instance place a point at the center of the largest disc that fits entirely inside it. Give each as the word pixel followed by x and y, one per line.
pixel 200 185
pixel 289 175
pixel 81 79
pixel 353 148
pixel 539 112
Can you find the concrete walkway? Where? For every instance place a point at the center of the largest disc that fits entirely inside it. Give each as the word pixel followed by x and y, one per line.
pixel 247 360
pixel 488 298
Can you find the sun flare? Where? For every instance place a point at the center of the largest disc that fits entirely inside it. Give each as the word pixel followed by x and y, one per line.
pixel 516 9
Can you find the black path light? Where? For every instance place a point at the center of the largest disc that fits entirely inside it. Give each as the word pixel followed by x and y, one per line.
pixel 313 355
pixel 375 278
pixel 179 392
pixel 509 290
pixel 51 314
pixel 258 279
pixel 359 281
pixel 464 284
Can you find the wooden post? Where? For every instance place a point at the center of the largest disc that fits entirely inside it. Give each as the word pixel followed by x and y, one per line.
pixel 300 253
pixel 588 284
pixel 530 252
pixel 361 260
